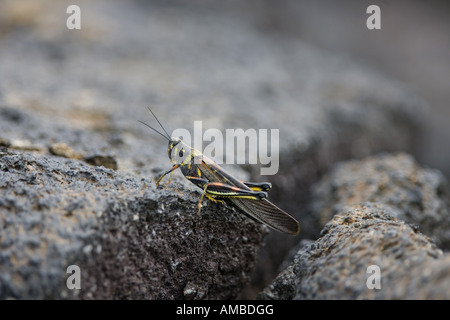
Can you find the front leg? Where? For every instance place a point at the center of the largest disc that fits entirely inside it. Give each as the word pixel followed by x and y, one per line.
pixel 167 172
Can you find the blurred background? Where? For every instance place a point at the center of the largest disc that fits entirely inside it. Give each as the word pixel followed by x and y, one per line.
pixel 413 44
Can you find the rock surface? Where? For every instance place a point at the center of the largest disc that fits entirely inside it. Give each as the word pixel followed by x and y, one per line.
pixel 416 195
pixel 129 239
pixel 386 211
pixel 336 265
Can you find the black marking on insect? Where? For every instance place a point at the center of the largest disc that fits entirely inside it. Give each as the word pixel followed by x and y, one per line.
pixel 218 185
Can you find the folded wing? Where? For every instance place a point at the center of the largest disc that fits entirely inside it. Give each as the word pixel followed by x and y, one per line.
pixel 266 212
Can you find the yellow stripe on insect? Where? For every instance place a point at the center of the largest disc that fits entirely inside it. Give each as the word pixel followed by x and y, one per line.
pixel 246 197
pixel 233 195
pixel 218 193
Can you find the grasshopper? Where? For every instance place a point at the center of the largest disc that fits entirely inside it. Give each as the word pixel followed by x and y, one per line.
pixel 220 186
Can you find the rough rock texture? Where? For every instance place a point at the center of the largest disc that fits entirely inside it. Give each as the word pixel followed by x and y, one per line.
pixel 385 208
pixel 129 239
pixel 416 195
pixel 336 265
pixel 73 97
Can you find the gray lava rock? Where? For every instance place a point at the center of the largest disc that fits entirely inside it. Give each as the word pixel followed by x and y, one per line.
pixel 336 266
pixel 129 239
pixel 416 195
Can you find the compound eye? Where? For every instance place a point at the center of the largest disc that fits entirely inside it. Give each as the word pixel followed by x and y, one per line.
pixel 180 154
